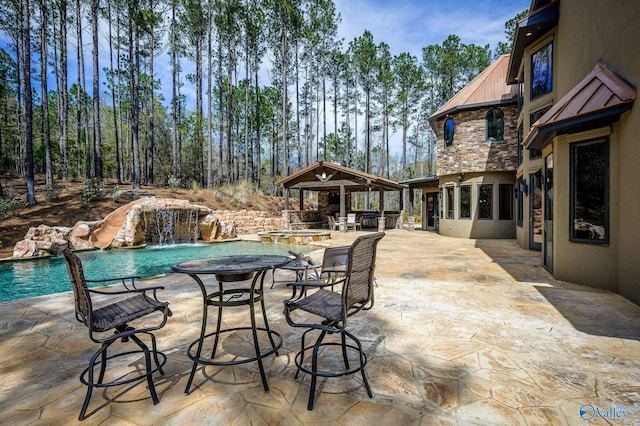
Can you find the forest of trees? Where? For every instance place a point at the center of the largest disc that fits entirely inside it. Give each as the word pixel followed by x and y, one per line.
pixel 327 99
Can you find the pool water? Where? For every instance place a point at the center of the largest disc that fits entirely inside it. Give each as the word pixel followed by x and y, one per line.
pixel 38 277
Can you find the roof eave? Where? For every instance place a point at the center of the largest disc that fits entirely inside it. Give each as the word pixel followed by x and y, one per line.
pixel 535 25
pixel 540 137
pixel 502 102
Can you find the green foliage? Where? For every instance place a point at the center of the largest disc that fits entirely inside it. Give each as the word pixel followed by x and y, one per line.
pixel 9 207
pixel 174 183
pixel 89 191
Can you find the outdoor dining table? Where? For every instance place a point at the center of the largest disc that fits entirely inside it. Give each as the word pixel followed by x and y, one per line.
pixel 229 269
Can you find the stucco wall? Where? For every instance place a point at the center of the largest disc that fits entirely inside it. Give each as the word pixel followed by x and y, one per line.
pixel 607 30
pixel 474 227
pixel 471 152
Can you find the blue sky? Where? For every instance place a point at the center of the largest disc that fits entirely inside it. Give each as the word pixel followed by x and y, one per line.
pixel 410 25
pixel 405 25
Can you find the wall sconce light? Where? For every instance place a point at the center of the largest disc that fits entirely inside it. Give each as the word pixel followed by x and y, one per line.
pixel 460 177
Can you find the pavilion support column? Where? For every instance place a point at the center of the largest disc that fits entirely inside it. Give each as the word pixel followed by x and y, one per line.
pixel 381 220
pixel 342 219
pixel 301 199
pixel 411 219
pixel 285 212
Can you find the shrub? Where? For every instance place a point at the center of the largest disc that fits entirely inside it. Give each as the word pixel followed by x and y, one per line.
pixel 89 191
pixel 9 207
pixel 174 183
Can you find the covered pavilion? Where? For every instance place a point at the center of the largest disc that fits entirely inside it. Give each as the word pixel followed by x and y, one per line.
pixel 335 184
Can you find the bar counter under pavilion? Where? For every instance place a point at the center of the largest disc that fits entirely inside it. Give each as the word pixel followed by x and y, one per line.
pixel 335 185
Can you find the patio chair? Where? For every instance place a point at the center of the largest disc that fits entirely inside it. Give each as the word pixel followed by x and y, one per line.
pixel 333 308
pixel 334 265
pixel 352 223
pixel 121 307
pixel 333 225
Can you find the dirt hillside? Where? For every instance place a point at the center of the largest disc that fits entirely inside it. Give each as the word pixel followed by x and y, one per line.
pixel 68 207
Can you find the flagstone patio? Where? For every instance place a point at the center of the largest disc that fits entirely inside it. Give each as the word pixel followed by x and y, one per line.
pixel 462 332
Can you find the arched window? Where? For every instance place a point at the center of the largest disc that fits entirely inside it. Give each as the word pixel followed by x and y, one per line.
pixel 495 125
pixel 449 127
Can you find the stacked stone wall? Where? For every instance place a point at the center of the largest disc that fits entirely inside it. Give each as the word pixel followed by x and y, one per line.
pixel 249 221
pixel 471 152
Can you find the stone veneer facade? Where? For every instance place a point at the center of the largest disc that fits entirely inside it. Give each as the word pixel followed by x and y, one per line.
pixel 471 152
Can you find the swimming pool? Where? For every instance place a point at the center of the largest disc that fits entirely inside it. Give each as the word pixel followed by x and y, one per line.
pixel 38 277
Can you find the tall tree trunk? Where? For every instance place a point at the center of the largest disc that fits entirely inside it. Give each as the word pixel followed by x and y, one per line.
pixel 298 139
pixel 80 94
pixel 258 147
pixel 174 87
pixel 113 100
pixel 134 75
pixel 285 125
pixel 63 95
pixel 63 99
pixel 209 97
pixel 44 92
pixel 348 107
pixel 83 115
pixel 230 100
pixel 152 108
pixel 20 164
pixel 25 37
pixel 222 166
pixel 97 140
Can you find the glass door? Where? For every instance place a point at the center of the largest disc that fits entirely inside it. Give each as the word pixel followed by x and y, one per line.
pixel 548 212
pixel 432 210
pixel 535 211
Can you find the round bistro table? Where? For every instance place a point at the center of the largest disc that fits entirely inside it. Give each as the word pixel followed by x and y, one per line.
pixel 229 269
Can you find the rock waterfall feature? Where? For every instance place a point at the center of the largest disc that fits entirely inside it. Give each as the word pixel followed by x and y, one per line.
pixel 148 220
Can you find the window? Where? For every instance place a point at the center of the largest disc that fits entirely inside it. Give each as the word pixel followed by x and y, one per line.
pixel 485 201
pixel 542 71
pixel 495 125
pixel 465 202
pixel 505 201
pixel 589 192
pixel 533 117
pixel 449 128
pixel 520 213
pixel 441 205
pixel 520 139
pixel 449 206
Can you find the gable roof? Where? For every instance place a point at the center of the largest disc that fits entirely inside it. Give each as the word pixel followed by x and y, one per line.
pixel 326 176
pixel 597 100
pixel 488 88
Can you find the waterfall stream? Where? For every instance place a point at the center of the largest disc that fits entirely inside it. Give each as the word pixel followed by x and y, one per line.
pixel 171 226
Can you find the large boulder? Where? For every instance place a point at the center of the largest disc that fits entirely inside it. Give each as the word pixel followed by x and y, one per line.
pixel 39 241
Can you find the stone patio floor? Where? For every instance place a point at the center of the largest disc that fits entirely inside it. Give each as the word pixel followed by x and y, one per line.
pixel 462 332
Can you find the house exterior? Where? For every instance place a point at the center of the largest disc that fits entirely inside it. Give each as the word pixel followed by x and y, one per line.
pixel 576 69
pixel 477 158
pixel 570 148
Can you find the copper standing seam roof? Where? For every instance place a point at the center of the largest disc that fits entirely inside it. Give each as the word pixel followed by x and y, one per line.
pixel 487 88
pixel 598 99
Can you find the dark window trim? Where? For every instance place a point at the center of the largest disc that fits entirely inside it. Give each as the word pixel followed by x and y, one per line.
pixel 460 202
pixel 500 201
pixel 486 126
pixel 444 132
pixel 531 97
pixel 572 188
pixel 520 204
pixel 451 207
pixel 490 204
